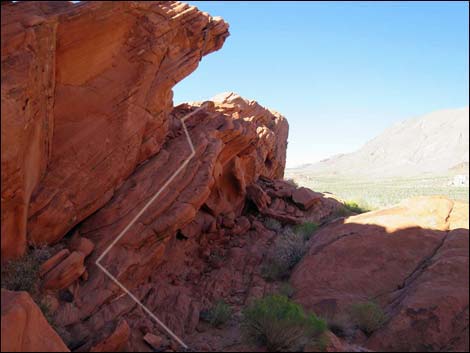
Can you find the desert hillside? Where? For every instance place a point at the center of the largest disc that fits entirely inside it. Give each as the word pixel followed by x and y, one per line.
pixel 434 143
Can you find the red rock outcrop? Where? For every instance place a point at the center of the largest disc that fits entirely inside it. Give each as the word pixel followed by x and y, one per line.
pixel 66 272
pixel 24 328
pixel 86 93
pixel 412 259
pixel 116 341
pixel 92 146
pixel 231 150
pixel 213 256
pixel 287 203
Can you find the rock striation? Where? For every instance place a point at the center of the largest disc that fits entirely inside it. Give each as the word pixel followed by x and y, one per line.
pixel 232 150
pixel 86 97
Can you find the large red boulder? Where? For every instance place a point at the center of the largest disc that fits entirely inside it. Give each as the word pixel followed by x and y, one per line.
pixel 411 259
pixel 24 327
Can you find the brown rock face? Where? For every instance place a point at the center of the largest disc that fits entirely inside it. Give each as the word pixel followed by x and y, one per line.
pixel 86 93
pixel 24 328
pixel 410 259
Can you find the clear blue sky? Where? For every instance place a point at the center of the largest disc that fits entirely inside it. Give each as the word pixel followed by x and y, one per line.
pixel 340 72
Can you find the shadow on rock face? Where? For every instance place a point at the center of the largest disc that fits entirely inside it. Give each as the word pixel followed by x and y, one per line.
pixel 418 275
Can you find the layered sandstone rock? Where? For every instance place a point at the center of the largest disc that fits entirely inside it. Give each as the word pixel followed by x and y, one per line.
pixel 86 93
pixel 66 272
pixel 92 146
pixel 412 259
pixel 24 327
pixel 230 153
pixel 287 203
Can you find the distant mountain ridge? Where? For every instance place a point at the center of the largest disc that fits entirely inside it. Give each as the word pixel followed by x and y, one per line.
pixel 434 143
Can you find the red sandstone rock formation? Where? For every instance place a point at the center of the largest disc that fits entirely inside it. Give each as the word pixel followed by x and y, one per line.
pixel 412 259
pixel 90 135
pixel 231 153
pixel 283 201
pixel 116 341
pixel 24 328
pixel 86 93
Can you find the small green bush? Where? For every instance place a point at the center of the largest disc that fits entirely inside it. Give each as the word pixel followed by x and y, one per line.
pixel 285 289
pixel 45 307
pixel 218 315
pixel 272 224
pixel 340 324
pixel 46 311
pixel 288 250
pixel 354 207
pixel 367 316
pixel 280 324
pixel 341 212
pixel 23 274
pixel 306 229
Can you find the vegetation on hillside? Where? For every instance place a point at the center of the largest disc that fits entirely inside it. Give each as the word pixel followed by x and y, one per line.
pixel 280 324
pixel 218 315
pixel 378 193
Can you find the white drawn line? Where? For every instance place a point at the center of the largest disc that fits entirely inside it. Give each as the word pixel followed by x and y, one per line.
pixel 131 223
pixel 134 298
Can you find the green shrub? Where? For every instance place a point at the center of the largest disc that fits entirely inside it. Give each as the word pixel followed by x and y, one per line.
pixel 280 324
pixel 285 289
pixel 288 250
pixel 306 229
pixel 340 325
pixel 273 271
pixel 354 207
pixel 46 311
pixel 23 274
pixel 341 212
pixel 272 224
pixel 45 307
pixel 218 315
pixel 367 316
pixel 319 344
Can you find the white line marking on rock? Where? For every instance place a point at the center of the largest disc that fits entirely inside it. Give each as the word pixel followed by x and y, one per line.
pixel 131 223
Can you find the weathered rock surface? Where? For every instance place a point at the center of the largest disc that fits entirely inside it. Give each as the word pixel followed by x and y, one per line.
pixel 86 94
pixel 82 245
pixel 212 257
pixel 411 259
pixel 24 328
pixel 287 203
pixel 231 150
pixel 116 341
pixel 53 261
pixel 66 272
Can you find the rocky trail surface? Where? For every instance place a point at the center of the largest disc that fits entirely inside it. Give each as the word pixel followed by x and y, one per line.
pixel 93 148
